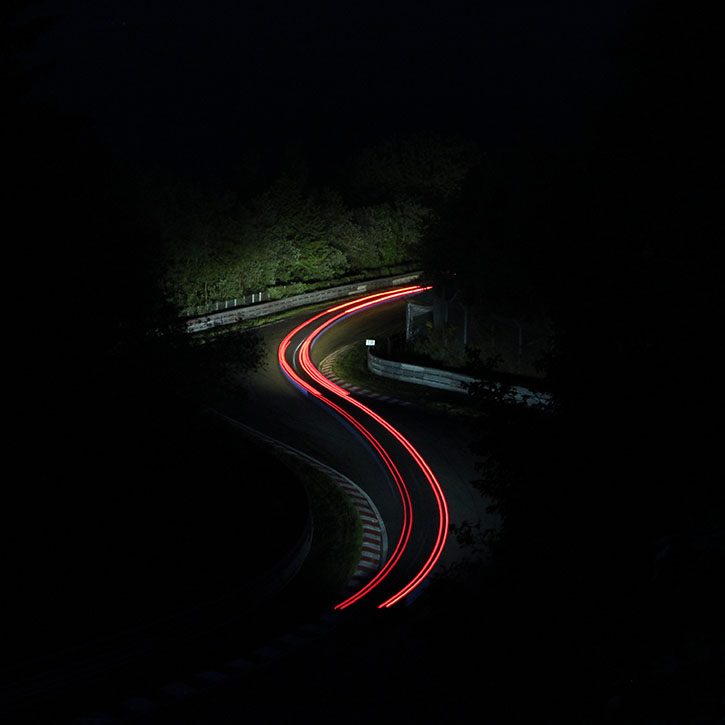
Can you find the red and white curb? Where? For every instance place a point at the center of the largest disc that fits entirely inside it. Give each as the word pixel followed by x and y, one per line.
pixel 373 553
pixel 374 538
pixel 326 367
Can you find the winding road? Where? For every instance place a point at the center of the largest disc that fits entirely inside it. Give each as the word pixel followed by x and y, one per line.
pixel 406 467
pixel 415 466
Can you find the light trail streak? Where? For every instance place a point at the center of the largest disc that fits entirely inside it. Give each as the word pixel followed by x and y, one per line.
pixel 303 356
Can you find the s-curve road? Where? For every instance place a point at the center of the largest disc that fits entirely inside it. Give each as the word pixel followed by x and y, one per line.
pixel 417 469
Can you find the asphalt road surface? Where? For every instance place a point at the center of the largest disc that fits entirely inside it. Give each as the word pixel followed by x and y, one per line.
pixel 380 663
pixel 280 409
pixel 352 658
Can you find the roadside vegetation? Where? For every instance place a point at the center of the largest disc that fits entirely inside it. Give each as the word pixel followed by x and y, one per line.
pixel 604 594
pixel 297 231
pixel 336 542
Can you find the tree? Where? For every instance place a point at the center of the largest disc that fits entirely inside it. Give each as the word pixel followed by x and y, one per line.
pixel 596 495
pixel 108 430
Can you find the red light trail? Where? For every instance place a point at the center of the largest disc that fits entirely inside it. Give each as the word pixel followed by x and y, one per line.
pixel 303 356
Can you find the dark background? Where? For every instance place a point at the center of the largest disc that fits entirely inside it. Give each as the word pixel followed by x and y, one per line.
pixel 604 186
pixel 203 82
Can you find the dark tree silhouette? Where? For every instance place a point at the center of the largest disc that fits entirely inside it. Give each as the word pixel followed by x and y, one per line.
pixel 611 549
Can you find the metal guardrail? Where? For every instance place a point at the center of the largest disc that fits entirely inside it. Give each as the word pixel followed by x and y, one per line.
pixel 444 379
pixel 263 309
pixel 250 299
pixel 409 373
pixel 254 298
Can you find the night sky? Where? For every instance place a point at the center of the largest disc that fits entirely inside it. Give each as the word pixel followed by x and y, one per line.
pixel 205 81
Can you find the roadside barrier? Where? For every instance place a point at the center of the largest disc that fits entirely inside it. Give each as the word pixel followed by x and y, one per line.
pixel 444 379
pixel 264 309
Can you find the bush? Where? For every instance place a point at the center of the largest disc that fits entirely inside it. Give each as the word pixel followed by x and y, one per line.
pixel 441 344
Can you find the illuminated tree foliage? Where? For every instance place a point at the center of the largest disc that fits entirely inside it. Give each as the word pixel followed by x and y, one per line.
pixel 219 244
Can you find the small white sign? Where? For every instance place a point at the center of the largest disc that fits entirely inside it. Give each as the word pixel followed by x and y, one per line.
pixel 370 343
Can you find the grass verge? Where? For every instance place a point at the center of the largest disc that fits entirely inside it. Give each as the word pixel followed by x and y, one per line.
pixel 337 539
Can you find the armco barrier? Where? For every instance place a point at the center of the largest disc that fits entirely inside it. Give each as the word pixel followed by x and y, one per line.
pixel 443 379
pixel 430 377
pixel 228 317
